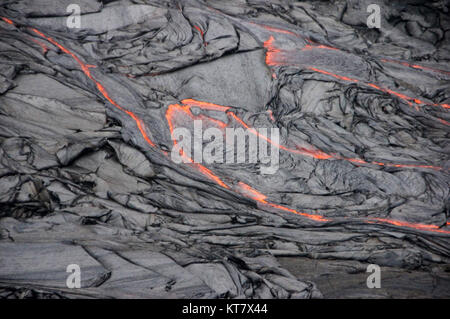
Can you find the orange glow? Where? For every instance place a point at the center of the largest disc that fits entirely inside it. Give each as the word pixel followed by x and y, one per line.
pixel 334 75
pixel 87 72
pixel 310 216
pixel 275 57
pixel 418 226
pixel 375 86
pixel 254 194
pixel 317 154
pixel 199 30
pixel 7 21
pixel 404 97
pixel 277 30
pixel 244 189
pixel 42 45
pixel 205 105
pixel 169 117
pixel 302 151
pixel 271 115
pixel 415 66
pixel 438 168
pixel 318 46
pixel 202 34
pixel 250 192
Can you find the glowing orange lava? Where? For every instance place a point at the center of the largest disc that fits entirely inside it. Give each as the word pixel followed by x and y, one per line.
pixel 415 66
pixel 243 188
pixel 418 226
pixel 319 46
pixel 277 57
pixel 202 34
pixel 170 113
pixel 277 30
pixel 272 53
pixel 251 193
pixel 42 45
pixel 248 191
pixel 7 21
pixel 85 69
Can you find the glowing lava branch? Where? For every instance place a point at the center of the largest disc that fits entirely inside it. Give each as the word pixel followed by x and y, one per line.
pixel 301 151
pixel 170 113
pixel 415 66
pixel 276 30
pixel 7 21
pixel 202 34
pixel 315 45
pixel 248 191
pixel 317 154
pixel 277 57
pixel 209 106
pixel 251 193
pixel 85 68
pixel 205 105
pixel 318 46
pixel 272 118
pixel 340 77
pixel 42 45
pixel 273 57
pixel 418 226
pixel 243 188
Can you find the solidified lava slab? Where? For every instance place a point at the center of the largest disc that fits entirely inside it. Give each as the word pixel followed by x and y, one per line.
pixel 87 122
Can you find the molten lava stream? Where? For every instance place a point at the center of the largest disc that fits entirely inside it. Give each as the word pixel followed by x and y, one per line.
pixel 170 114
pixel 415 66
pixel 317 154
pixel 243 188
pixel 277 57
pixel 249 192
pixel 85 68
pixel 314 45
pixel 202 34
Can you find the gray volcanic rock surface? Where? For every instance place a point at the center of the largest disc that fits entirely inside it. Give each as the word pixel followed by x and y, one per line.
pixel 86 176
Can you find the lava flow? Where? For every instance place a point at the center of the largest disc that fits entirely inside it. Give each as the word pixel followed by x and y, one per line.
pixel 85 68
pixel 314 45
pixel 242 188
pixel 224 149
pixel 415 66
pixel 246 190
pixel 239 187
pixel 317 154
pixel 202 34
pixel 278 57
